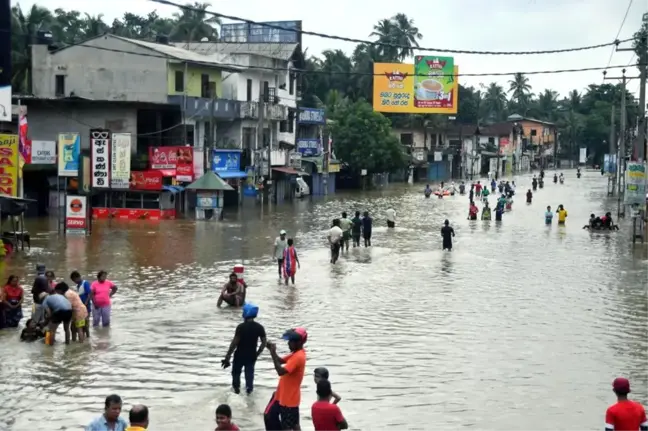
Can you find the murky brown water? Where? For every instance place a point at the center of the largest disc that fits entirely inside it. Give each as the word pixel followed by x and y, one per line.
pixel 522 326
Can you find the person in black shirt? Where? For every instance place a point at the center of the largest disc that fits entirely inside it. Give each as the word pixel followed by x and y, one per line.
pixel 367 225
pixel 447 233
pixel 356 229
pixel 245 343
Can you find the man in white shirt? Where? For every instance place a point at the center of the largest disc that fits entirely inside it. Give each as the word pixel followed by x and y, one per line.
pixel 391 217
pixel 345 225
pixel 335 239
pixel 280 244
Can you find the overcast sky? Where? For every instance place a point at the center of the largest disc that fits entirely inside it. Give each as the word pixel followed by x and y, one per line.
pixel 496 25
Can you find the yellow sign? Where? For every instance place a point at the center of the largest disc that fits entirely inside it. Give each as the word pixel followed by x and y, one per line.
pixel 9 156
pixel 333 168
pixel 430 86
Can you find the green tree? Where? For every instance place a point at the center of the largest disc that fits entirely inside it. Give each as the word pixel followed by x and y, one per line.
pixel 397 30
pixel 26 27
pixel 192 25
pixel 520 90
pixel 362 139
pixel 495 102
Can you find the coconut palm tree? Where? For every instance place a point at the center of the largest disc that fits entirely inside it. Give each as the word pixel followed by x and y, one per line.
pixel 548 105
pixel 26 27
pixel 363 58
pixel 195 23
pixel 384 30
pixel 94 26
pixel 495 102
pixel 520 89
pixel 405 34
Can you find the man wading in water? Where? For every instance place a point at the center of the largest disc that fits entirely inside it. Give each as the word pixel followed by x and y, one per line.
pixel 233 292
pixel 244 347
pixel 285 401
pixel 334 236
pixel 447 233
pixel 356 230
pixel 345 225
pixel 280 244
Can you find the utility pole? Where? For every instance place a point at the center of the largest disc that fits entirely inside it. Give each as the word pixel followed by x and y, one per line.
pixel 612 151
pixel 260 142
pixel 639 150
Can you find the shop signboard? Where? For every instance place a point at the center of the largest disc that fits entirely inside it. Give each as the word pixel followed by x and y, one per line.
pixel 180 158
pixel 69 150
pixel 76 219
pixel 635 184
pixel 150 180
pixel 309 147
pixel 120 160
pixel 226 161
pixel 43 153
pixel 100 158
pixel 9 162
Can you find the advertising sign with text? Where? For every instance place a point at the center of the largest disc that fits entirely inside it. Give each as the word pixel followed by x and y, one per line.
pixel 43 153
pixel 308 147
pixel 146 180
pixel 76 219
pixel 430 86
pixel 9 156
pixel 69 148
pixel 635 192
pixel 121 160
pixel 178 158
pixel 311 116
pixel 226 161
pixel 100 159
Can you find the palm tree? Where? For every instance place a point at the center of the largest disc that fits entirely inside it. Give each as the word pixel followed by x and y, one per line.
pixel 94 26
pixel 67 26
pixel 520 89
pixel 25 27
pixel 194 24
pixel 574 101
pixel 363 58
pixel 398 30
pixel 495 101
pixel 384 31
pixel 548 105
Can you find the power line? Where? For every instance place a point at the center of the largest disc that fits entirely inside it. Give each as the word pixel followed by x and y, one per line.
pixel 346 73
pixel 384 44
pixel 619 32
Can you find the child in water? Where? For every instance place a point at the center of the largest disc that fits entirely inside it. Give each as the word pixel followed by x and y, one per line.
pixel 322 373
pixel 291 262
pixel 31 332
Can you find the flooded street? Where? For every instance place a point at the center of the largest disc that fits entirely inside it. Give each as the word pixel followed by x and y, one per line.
pixel 521 326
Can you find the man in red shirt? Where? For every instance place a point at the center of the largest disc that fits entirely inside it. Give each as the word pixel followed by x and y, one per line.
pixel 625 415
pixel 326 416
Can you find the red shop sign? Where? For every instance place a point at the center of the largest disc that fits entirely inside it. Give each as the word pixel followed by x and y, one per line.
pixel 170 157
pixel 146 180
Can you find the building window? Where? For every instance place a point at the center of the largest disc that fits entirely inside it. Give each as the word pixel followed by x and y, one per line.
pixel 204 85
pixel 291 83
pixel 59 86
pixel 249 90
pixel 407 139
pixel 283 126
pixel 179 81
pixel 291 121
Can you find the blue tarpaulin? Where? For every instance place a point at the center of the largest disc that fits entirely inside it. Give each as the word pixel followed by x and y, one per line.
pixel 173 189
pixel 231 174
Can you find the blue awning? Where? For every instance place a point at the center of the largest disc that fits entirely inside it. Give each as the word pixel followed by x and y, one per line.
pixel 232 174
pixel 173 189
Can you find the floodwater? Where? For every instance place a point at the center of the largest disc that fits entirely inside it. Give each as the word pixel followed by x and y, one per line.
pixel 522 326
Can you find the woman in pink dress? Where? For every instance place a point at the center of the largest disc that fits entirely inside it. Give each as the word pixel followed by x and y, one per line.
pixel 102 291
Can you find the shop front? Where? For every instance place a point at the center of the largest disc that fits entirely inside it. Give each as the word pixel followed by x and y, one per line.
pixel 320 183
pixel 227 165
pixel 146 199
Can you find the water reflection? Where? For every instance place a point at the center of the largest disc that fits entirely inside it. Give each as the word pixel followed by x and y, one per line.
pixel 517 322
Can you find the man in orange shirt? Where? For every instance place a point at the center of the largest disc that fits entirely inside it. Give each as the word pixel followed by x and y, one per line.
pixel 625 415
pixel 291 370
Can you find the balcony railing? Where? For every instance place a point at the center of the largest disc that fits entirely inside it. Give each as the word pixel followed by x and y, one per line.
pixel 250 110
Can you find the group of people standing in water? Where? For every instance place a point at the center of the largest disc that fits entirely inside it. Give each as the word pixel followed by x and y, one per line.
pixel 56 303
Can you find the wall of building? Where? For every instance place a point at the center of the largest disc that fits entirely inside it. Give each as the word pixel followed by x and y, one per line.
pixel 100 74
pixel 417 135
pixel 193 80
pixel 46 122
pixel 544 132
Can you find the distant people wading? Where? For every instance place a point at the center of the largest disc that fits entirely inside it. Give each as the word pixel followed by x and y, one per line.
pixel 390 214
pixel 280 244
pixel 447 233
pixel 367 227
pixel 335 240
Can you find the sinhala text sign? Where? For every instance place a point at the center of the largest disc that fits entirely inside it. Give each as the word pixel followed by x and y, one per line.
pixel 100 159
pixel 429 86
pixel 635 192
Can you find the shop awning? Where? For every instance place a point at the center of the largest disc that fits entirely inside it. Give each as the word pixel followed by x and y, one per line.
pixel 231 174
pixel 168 172
pixel 173 189
pixel 289 170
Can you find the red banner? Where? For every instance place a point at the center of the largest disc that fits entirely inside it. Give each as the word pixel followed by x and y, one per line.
pixel 132 214
pixel 178 158
pixel 146 180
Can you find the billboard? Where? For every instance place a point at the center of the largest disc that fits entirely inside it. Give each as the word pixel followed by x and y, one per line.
pixel 9 161
pixel 309 147
pixel 120 160
pixel 100 158
pixel 261 33
pixel 635 192
pixel 311 116
pixel 5 60
pixel 429 86
pixel 43 153
pixel 76 219
pixel 69 148
pixel 226 161
pixel 178 158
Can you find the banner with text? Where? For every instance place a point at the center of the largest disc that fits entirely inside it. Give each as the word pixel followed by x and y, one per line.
pixel 43 153
pixel 635 192
pixel 100 158
pixel 9 160
pixel 430 86
pixel 121 160
pixel 76 217
pixel 69 149
pixel 178 158
pixel 146 180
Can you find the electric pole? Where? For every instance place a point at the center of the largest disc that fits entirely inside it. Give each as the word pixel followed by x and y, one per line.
pixel 612 151
pixel 260 142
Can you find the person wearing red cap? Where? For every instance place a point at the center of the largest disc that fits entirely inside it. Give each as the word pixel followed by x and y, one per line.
pixel 291 370
pixel 625 415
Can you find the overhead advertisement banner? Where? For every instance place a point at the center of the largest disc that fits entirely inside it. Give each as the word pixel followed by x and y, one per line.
pixel 429 86
pixel 121 160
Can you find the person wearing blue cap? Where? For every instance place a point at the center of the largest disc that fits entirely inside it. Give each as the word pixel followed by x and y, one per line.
pixel 245 350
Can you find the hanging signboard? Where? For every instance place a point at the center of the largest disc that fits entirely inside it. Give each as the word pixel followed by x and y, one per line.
pixel 69 148
pixel 582 156
pixel 43 153
pixel 121 160
pixel 100 159
pixel 76 220
pixel 635 192
pixel 9 150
